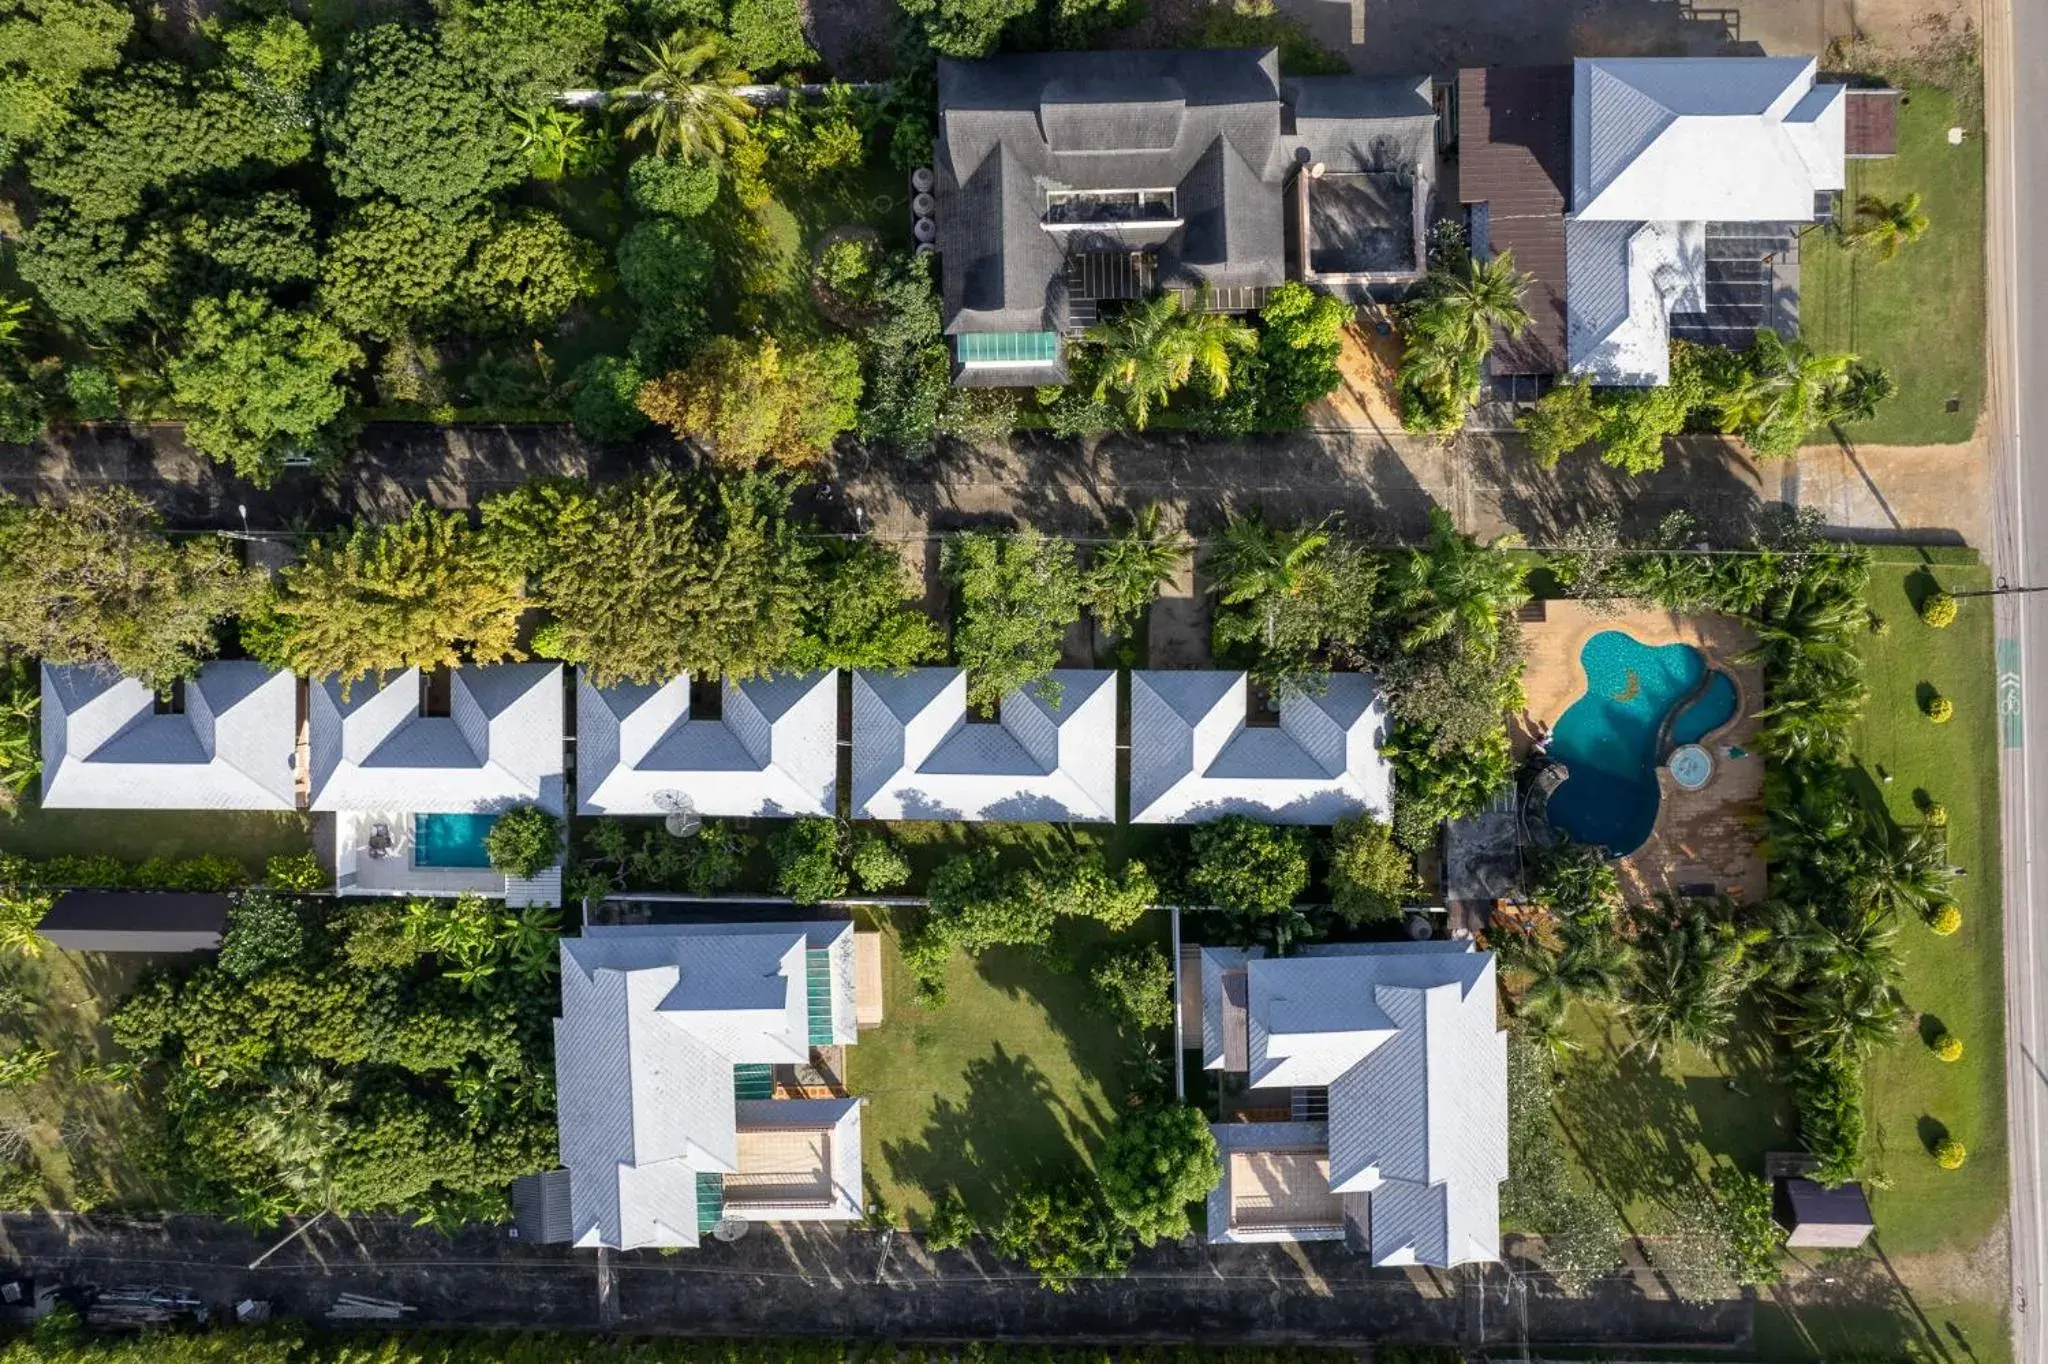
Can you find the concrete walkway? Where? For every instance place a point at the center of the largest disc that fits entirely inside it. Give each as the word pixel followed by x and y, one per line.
pixel 1384 485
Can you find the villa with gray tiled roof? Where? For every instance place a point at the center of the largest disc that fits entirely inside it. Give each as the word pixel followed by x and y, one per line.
pixel 1371 1097
pixel 920 753
pixel 1197 754
pixel 411 765
pixel 222 740
pixel 673 1044
pixel 768 747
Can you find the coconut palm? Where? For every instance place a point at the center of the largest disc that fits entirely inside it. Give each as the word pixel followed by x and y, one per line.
pixel 298 1130
pixel 1777 392
pixel 1455 584
pixel 1464 308
pixel 1689 978
pixel 1856 396
pixel 1883 226
pixel 1126 573
pixel 1155 346
pixel 1844 1021
pixel 685 85
pixel 1254 562
pixel 1902 870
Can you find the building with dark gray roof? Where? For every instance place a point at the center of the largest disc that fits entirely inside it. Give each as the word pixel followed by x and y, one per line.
pixel 1068 180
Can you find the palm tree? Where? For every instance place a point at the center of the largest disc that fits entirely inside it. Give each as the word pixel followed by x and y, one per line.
pixel 1903 870
pixel 1883 226
pixel 690 108
pixel 298 1129
pixel 1688 981
pixel 1464 310
pixel 1257 562
pixel 1856 396
pixel 1844 1021
pixel 1127 571
pixel 1155 346
pixel 554 141
pixel 1456 583
pixel 1778 391
pixel 12 314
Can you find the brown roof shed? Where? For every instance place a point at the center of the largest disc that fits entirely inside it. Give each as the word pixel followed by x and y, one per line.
pixel 1515 156
pixel 1870 123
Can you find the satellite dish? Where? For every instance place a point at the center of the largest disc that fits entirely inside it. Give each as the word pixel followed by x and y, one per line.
pixel 682 818
pixel 729 1229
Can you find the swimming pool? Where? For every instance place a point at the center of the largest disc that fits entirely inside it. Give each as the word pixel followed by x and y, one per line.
pixel 450 840
pixel 1610 738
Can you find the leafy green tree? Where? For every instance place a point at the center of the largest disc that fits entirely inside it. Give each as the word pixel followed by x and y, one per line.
pixel 660 576
pixel 768 35
pixel 1244 867
pixel 1154 347
pixel 529 51
pixel 905 364
pixel 672 186
pixel 965 28
pixel 1371 879
pixel 1061 1231
pixel 1017 595
pixel 264 930
pixel 879 865
pixel 264 241
pixel 1450 330
pixel 91 272
pixel 20 757
pixel 605 406
pixel 682 87
pixel 402 118
pixel 1301 334
pixel 977 903
pixel 527 273
pixel 95 583
pixel 1263 566
pixel 524 841
pixel 1286 596
pixel 863 614
pixel 1884 227
pixel 808 854
pixel 262 383
pixel 424 592
pixel 1561 421
pixel 754 402
pixel 665 267
pixel 555 143
pixel 1155 1162
pixel 1752 1234
pixel 1126 571
pixel 46 48
pixel 23 413
pixel 391 269
pixel 950 1226
pixel 273 64
pixel 1135 984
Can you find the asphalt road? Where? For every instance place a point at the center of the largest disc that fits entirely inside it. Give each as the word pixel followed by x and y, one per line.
pixel 2016 106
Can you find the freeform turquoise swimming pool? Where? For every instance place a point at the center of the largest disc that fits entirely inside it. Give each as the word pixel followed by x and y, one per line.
pixel 1609 738
pixel 451 840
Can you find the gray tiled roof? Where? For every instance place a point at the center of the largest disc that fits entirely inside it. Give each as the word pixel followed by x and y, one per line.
pixel 104 748
pixel 1404 1038
pixel 773 751
pixel 653 1021
pixel 499 746
pixel 1203 123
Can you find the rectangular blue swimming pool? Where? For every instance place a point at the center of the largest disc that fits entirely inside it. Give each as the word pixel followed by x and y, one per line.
pixel 450 840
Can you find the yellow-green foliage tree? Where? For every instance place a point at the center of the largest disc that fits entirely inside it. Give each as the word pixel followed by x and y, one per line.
pixel 755 402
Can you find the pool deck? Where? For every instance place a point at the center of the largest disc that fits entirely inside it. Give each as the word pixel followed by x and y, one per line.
pixel 1706 837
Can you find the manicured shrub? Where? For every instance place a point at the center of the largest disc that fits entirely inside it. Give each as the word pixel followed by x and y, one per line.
pixel 297 873
pixel 1154 1164
pixel 525 841
pixel 1950 1154
pixel 1879 626
pixel 1136 985
pixel 1941 710
pixel 1938 611
pixel 93 392
pixel 672 186
pixel 1948 1047
pixel 846 270
pixel 807 860
pixel 1946 920
pixel 879 865
pixel 1936 816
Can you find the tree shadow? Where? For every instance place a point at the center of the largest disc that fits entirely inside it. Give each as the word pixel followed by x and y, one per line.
pixel 1932 1132
pixel 1923 695
pixel 1920 585
pixel 1931 1027
pixel 1006 1135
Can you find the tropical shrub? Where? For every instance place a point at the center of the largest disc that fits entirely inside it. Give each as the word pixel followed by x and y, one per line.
pixel 879 865
pixel 864 613
pixel 1947 1046
pixel 1371 878
pixel 262 384
pixel 264 930
pixel 846 271
pixel 1126 572
pixel 1060 1229
pixel 950 1225
pixel 1242 866
pixel 672 186
pixel 1940 709
pixel 1938 610
pixel 605 406
pixel 1950 1154
pixel 1154 347
pixel 807 860
pixel 295 873
pixel 524 841
pixel 1154 1163
pixel 1135 984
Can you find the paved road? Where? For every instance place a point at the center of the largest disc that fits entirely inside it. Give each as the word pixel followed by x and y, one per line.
pixel 2016 89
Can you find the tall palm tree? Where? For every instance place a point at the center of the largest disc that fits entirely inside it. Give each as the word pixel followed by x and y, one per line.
pixel 1254 562
pixel 1155 346
pixel 1903 870
pixel 1456 583
pixel 685 84
pixel 299 1130
pixel 1465 308
pixel 1778 391
pixel 1688 981
pixel 1846 1020
pixel 1883 226
pixel 1126 572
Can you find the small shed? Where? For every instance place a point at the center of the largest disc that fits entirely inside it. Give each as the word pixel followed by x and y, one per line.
pixel 1870 123
pixel 136 921
pixel 1836 1219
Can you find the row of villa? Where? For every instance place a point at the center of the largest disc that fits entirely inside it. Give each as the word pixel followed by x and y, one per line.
pixel 413 766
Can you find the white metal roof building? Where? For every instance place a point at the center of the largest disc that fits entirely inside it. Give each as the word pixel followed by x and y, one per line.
pixel 772 750
pixel 1402 1041
pixel 918 754
pixel 661 1028
pixel 1660 148
pixel 1195 757
pixel 499 744
pixel 223 740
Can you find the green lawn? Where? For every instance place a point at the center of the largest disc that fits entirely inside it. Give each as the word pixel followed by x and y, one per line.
pixel 1014 1076
pixel 1908 1328
pixel 1920 315
pixel 1953 983
pixel 253 836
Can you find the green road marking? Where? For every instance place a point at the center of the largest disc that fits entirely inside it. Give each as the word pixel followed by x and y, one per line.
pixel 2009 693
